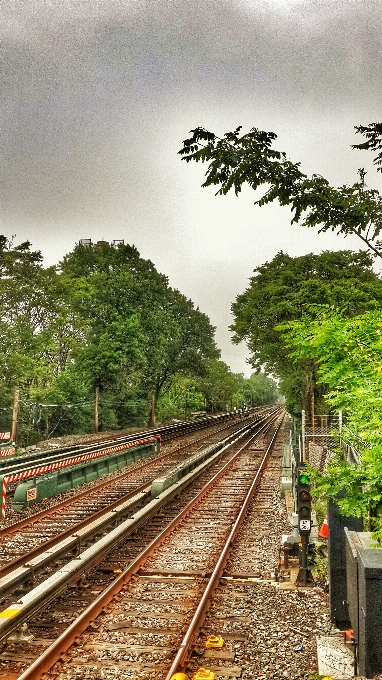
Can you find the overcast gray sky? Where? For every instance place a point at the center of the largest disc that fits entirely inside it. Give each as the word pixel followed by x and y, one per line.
pixel 99 94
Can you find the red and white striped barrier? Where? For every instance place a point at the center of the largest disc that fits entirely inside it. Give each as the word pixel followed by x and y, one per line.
pixel 10 451
pixel 50 467
pixel 5 435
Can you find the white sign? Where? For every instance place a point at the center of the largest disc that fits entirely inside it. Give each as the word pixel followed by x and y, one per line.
pixel 304 524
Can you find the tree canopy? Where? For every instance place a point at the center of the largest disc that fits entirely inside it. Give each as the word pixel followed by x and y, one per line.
pixel 280 291
pixel 141 332
pixel 104 319
pixel 235 160
pixel 348 352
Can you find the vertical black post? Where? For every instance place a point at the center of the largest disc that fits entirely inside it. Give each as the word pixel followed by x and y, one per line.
pixel 304 558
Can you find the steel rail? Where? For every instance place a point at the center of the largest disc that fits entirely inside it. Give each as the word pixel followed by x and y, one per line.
pixel 52 542
pixel 9 463
pixel 199 616
pixel 26 567
pixel 38 598
pixel 53 653
pixel 73 528
pixel 17 526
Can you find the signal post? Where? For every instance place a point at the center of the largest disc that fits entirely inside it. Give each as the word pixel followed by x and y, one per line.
pixel 304 513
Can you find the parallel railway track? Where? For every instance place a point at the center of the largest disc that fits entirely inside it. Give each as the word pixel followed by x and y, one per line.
pixel 208 513
pixel 23 542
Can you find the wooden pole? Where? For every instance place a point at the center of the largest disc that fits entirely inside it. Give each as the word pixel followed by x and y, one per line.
pixel 96 410
pixel 312 409
pixel 15 415
pixel 152 418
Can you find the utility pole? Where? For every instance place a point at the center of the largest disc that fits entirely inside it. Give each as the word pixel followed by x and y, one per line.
pixel 303 433
pixel 15 415
pixel 96 410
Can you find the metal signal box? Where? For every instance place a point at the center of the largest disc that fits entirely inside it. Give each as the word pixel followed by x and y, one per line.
pixel 364 569
pixel 338 600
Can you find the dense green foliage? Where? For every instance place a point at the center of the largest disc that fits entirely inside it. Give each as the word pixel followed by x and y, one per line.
pixel 349 357
pixel 236 160
pixel 103 320
pixel 141 332
pixel 280 292
pixel 259 389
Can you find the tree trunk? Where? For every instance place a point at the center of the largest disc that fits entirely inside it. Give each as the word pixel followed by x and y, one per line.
pixel 151 422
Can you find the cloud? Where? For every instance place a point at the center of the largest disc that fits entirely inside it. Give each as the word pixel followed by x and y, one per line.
pixel 98 95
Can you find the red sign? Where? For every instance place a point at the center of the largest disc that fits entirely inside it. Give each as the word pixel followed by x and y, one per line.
pixel 31 494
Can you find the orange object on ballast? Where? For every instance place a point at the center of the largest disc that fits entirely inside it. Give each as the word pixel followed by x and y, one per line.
pixel 324 531
pixel 214 642
pixel 349 635
pixel 203 674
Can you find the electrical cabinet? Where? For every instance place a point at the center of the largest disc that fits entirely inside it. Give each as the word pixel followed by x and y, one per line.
pixel 364 593
pixel 339 613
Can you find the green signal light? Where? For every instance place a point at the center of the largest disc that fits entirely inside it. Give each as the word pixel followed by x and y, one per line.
pixel 303 478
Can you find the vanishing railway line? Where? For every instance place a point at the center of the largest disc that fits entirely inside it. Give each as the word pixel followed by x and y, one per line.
pixel 182 543
pixel 20 467
pixel 23 542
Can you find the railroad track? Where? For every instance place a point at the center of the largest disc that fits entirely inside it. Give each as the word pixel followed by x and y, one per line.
pixel 25 545
pixel 182 545
pixel 16 468
pixel 170 435
pixel 9 465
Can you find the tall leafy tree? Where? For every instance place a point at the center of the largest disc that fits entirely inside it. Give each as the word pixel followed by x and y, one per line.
pixel 348 353
pixel 180 399
pixel 38 330
pixel 259 389
pixel 280 291
pixel 235 160
pixel 141 332
pixel 108 320
pixel 220 387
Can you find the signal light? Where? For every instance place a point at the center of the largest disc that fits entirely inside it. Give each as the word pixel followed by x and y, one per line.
pixel 304 503
pixel 303 478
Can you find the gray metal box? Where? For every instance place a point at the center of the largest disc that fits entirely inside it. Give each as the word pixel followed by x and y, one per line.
pixel 353 544
pixel 370 612
pixel 338 599
pixel 364 588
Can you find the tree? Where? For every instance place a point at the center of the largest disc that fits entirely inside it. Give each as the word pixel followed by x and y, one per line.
pixel 180 399
pixel 348 354
pixel 108 320
pixel 259 389
pixel 280 292
pixel 349 357
pixel 141 333
pixel 220 387
pixel 187 342
pixel 235 160
pixel 37 330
